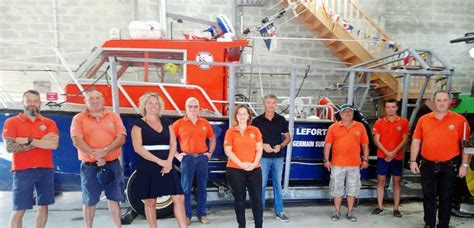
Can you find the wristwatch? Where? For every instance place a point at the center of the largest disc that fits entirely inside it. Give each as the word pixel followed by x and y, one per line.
pixel 106 150
pixel 30 140
pixel 465 164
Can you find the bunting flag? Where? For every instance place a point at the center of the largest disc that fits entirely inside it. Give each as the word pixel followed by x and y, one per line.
pixel 408 58
pixel 391 44
pixel 268 30
pixel 347 26
pixel 375 40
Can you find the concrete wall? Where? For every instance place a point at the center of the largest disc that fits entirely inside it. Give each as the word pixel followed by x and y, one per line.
pixel 430 24
pixel 84 24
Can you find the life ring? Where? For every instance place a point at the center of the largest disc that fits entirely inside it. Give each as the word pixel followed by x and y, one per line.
pixel 164 204
pixel 330 109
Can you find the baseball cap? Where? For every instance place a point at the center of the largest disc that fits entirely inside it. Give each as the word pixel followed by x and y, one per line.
pixel 345 106
pixel 104 175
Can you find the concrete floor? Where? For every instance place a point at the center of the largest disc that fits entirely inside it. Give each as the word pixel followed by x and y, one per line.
pixel 67 213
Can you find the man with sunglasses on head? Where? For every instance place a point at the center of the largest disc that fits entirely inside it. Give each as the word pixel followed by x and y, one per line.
pixel 98 135
pixel 197 143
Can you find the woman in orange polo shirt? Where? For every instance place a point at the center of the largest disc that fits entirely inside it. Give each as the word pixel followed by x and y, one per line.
pixel 243 146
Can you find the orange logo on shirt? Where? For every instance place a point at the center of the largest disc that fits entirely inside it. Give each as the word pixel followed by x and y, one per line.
pixel 42 128
pixel 399 128
pixel 204 128
pixel 451 127
pixel 252 135
pixel 357 133
pixel 111 125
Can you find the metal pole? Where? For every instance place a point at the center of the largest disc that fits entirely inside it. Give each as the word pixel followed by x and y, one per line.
pixel 115 95
pixel 448 82
pixel 350 92
pixel 406 89
pixel 291 120
pixel 418 101
pixel 113 74
pixel 231 94
pixel 163 23
pixel 366 92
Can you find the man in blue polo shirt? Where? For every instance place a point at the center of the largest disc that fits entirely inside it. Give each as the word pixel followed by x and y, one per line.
pixel 272 127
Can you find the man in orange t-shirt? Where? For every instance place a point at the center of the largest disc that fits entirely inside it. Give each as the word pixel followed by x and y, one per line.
pixel 31 138
pixel 439 134
pixel 345 138
pixel 390 136
pixel 98 135
pixel 192 132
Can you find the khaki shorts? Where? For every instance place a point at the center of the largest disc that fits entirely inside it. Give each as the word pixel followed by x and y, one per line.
pixel 344 180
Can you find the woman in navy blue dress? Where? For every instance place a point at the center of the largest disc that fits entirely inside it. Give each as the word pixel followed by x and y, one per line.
pixel 154 142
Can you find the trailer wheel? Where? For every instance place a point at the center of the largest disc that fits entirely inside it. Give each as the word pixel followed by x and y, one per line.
pixel 164 204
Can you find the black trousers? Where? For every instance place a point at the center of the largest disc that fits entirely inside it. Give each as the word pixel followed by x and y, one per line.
pixel 438 179
pixel 240 181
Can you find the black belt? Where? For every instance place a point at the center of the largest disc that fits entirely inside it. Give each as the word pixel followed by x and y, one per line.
pixel 453 162
pixel 194 154
pixel 95 163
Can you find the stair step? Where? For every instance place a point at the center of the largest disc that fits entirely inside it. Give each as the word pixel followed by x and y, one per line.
pixel 341 48
pixel 307 18
pixel 325 34
pixel 350 53
pixel 315 26
pixel 349 57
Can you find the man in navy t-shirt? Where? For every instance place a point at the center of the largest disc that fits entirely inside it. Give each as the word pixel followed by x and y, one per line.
pixel 273 126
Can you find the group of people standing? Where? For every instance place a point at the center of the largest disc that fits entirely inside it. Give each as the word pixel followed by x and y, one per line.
pixel 438 135
pixel 254 149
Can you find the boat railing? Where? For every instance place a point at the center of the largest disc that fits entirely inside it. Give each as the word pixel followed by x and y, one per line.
pixel 163 88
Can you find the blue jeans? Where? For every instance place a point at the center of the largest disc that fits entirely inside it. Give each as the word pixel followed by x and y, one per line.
pixel 190 167
pixel 276 166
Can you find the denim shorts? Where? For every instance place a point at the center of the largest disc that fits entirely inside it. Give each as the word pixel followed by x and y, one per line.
pixel 393 167
pixel 344 180
pixel 40 180
pixel 92 188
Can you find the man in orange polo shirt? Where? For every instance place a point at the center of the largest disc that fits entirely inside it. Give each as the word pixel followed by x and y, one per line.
pixel 390 137
pixel 31 138
pixel 345 138
pixel 439 134
pixel 98 135
pixel 192 132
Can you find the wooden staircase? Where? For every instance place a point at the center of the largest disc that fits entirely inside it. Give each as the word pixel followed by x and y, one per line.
pixel 351 47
